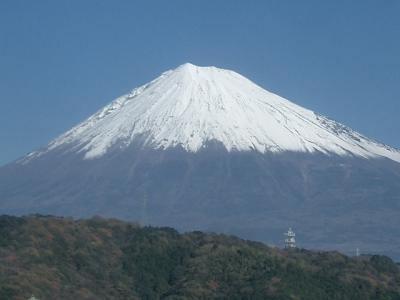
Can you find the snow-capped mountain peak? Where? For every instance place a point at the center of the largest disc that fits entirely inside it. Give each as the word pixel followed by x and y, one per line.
pixel 190 106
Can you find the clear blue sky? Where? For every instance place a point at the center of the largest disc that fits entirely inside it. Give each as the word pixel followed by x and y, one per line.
pixel 60 61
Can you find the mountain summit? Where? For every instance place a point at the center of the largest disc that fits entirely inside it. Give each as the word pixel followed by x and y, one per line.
pixel 191 106
pixel 205 148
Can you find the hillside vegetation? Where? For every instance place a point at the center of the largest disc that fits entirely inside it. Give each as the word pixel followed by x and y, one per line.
pixel 58 258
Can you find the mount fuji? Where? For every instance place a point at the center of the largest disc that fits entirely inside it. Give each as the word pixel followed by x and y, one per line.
pixel 206 148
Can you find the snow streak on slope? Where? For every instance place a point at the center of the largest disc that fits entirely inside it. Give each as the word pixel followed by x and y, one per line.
pixel 191 105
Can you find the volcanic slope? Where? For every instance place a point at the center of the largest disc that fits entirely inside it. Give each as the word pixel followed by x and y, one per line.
pixel 205 148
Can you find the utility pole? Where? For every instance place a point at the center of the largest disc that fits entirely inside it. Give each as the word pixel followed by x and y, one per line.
pixel 144 209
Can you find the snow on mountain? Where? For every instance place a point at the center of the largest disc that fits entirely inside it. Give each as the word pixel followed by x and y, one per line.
pixel 192 105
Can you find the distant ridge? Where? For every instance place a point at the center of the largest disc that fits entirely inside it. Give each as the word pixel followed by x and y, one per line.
pixel 54 258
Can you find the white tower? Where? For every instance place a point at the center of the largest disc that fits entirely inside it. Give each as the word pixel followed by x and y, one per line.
pixel 290 241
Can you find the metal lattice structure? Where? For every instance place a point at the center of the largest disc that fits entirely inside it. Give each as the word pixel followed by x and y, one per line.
pixel 290 241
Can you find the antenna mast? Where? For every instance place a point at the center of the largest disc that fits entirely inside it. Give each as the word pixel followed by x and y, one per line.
pixel 290 241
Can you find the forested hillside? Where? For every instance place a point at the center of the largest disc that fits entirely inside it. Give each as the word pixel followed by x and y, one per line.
pixel 58 258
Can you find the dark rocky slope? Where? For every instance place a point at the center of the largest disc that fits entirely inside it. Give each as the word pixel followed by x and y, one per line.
pixel 333 202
